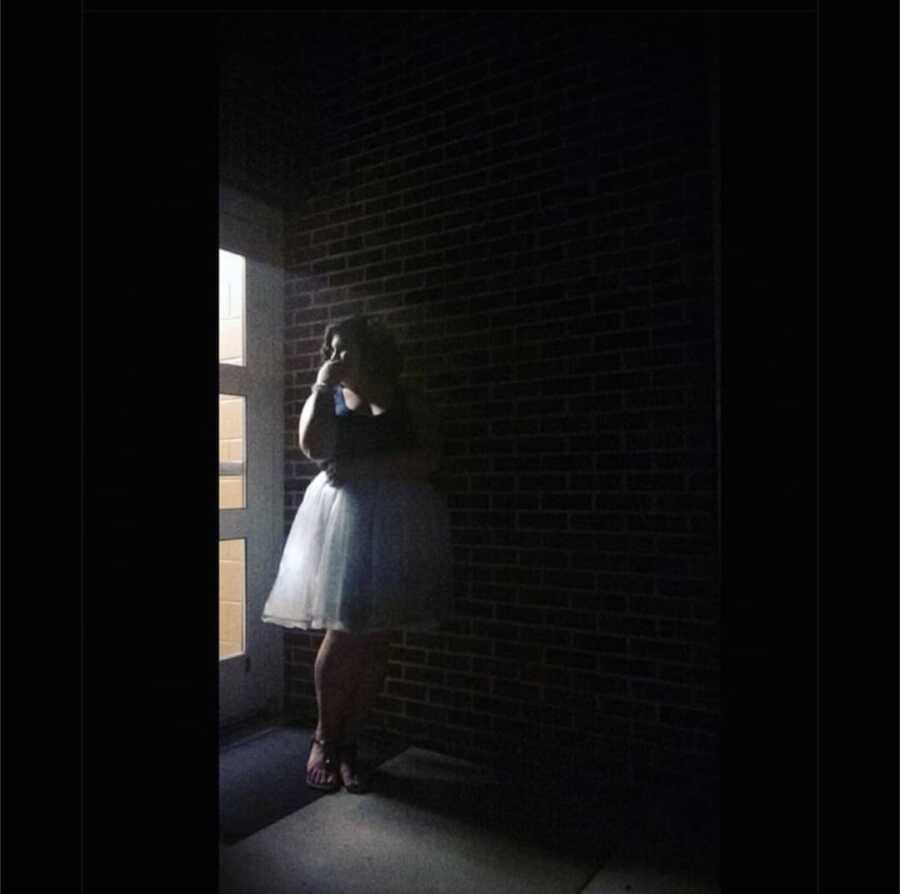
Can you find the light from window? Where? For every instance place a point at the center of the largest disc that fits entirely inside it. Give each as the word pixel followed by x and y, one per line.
pixel 232 589
pixel 232 452
pixel 232 304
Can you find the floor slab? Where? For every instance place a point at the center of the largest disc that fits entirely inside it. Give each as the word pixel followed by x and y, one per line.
pixel 432 824
pixel 262 777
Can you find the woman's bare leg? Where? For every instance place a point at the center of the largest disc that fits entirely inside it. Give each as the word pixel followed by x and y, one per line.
pixel 371 671
pixel 371 674
pixel 336 674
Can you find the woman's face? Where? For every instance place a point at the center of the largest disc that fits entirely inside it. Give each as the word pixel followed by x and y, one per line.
pixel 344 351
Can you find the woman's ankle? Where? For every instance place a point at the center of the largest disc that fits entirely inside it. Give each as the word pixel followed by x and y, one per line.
pixel 326 736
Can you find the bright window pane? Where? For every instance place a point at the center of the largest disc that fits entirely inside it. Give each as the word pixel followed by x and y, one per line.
pixel 232 590
pixel 232 452
pixel 232 280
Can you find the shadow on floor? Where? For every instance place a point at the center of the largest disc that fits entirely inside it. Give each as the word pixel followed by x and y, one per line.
pixel 262 775
pixel 669 829
pixel 262 780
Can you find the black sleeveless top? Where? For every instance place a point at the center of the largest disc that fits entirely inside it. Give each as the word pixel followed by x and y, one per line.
pixel 360 434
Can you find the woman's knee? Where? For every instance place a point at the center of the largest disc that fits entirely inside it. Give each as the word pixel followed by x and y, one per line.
pixel 335 650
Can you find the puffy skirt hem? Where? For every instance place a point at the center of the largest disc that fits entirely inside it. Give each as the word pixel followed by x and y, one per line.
pixel 363 557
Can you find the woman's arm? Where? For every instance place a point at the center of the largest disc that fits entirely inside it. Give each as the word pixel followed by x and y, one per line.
pixel 318 420
pixel 318 426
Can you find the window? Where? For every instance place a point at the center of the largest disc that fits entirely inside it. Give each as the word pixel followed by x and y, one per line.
pixel 232 590
pixel 232 451
pixel 232 309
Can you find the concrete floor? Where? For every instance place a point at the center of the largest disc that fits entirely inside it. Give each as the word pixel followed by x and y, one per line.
pixel 433 824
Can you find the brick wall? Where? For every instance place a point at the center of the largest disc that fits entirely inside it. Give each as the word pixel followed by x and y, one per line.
pixel 526 199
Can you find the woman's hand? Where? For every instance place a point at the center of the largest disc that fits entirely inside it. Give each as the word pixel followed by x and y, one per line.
pixel 331 371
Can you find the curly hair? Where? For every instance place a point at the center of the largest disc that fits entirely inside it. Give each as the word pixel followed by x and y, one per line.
pixel 380 356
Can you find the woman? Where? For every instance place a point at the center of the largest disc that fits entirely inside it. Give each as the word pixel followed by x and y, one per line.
pixel 369 548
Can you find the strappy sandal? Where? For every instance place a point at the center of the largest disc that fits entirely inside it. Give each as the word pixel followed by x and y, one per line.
pixel 348 753
pixel 330 763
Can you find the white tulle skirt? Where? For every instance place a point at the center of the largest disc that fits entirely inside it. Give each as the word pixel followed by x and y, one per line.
pixel 364 556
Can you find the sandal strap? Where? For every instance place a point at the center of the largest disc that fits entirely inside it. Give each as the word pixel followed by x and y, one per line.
pixel 330 753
